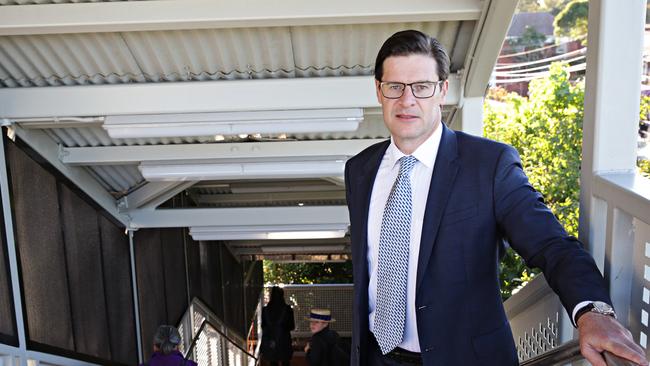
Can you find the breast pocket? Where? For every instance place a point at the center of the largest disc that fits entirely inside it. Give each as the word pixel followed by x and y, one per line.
pixel 457 215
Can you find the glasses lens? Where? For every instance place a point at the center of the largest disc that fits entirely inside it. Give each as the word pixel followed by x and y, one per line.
pixel 423 90
pixel 392 90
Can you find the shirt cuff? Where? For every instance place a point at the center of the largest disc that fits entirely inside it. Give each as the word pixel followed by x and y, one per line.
pixel 576 309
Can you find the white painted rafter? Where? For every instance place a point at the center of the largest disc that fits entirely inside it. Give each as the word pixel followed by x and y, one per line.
pixel 201 14
pixel 195 97
pixel 152 194
pixel 240 152
pixel 252 216
pixel 486 45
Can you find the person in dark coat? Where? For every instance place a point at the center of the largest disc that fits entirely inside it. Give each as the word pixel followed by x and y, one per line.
pixel 319 350
pixel 277 324
pixel 165 349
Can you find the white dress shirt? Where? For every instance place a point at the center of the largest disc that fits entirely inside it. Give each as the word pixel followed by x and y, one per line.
pixel 420 181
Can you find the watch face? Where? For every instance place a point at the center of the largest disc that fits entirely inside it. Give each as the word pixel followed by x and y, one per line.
pixel 603 308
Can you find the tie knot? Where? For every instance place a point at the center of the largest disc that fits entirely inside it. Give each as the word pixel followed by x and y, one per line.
pixel 407 163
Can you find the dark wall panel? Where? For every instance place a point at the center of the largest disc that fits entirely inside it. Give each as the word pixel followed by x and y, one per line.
pixel 151 284
pixel 253 289
pixel 211 280
pixel 233 291
pixel 174 267
pixel 83 252
pixel 194 269
pixel 41 251
pixel 7 316
pixel 119 292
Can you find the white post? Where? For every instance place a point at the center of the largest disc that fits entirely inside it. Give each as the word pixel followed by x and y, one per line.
pixel 612 91
pixel 11 254
pixel 136 302
pixel 472 116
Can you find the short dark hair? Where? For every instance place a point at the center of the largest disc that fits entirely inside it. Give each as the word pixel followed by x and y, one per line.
pixel 412 42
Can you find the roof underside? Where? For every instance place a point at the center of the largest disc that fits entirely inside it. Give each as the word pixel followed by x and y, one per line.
pixel 61 79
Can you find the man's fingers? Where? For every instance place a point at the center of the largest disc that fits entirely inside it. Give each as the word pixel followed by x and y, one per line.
pixel 630 351
pixel 593 356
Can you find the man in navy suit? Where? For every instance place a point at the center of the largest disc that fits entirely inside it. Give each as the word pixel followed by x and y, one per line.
pixel 430 210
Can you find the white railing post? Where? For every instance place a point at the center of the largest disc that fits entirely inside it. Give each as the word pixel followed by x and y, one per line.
pixel 136 301
pixel 612 90
pixel 11 254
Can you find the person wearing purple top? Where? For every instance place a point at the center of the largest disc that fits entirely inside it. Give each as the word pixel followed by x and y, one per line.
pixel 165 349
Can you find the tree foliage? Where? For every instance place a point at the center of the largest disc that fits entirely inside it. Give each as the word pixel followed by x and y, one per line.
pixel 546 130
pixel 307 273
pixel 572 20
pixel 644 116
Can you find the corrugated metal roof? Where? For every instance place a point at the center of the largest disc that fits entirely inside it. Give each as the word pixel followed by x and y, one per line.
pixel 118 180
pixel 205 54
pixel 41 2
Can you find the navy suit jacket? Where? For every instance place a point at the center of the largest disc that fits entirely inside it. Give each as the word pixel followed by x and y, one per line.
pixel 479 197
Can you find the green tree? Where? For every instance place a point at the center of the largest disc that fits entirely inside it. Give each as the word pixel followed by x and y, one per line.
pixel 307 273
pixel 572 20
pixel 546 130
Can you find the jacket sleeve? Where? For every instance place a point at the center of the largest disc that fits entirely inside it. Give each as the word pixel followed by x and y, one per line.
pixel 533 231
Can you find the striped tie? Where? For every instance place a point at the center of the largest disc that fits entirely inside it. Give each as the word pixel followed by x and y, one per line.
pixel 393 260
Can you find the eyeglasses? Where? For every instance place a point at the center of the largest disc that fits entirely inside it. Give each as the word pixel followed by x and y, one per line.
pixel 420 89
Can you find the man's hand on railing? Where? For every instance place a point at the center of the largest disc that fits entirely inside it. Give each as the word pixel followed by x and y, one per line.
pixel 600 333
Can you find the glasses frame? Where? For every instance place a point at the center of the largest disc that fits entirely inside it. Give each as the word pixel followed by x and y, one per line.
pixel 410 85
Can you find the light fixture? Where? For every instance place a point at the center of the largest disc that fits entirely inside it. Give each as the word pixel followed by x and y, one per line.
pixel 233 123
pixel 287 249
pixel 243 170
pixel 269 232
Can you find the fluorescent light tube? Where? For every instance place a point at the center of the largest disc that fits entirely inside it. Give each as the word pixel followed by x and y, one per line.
pixel 257 170
pixel 303 249
pixel 270 232
pixel 233 123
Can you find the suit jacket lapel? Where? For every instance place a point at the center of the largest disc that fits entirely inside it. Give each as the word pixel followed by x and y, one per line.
pixel 444 174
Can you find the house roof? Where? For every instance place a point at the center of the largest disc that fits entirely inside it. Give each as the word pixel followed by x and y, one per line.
pixel 542 22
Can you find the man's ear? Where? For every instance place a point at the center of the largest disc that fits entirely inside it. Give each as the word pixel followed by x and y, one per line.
pixel 443 90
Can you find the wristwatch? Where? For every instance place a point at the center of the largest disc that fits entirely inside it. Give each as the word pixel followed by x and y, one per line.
pixel 598 307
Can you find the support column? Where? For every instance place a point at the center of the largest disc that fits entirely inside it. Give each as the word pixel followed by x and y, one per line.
pixel 11 252
pixel 136 302
pixel 471 116
pixel 612 92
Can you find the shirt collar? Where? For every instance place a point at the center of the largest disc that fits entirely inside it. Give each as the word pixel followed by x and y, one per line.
pixel 425 153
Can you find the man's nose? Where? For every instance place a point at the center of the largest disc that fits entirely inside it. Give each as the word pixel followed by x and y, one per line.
pixel 407 97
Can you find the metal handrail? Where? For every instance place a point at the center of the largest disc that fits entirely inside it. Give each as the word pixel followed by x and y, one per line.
pixel 570 351
pixel 214 327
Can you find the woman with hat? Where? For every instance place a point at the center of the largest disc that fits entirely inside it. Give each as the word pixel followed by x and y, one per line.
pixel 165 349
pixel 322 349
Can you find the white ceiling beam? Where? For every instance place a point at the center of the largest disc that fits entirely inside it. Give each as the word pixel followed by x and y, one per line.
pixel 201 14
pixel 195 97
pixel 49 150
pixel 238 244
pixel 486 45
pixel 269 197
pixel 253 216
pixel 228 152
pixel 152 194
